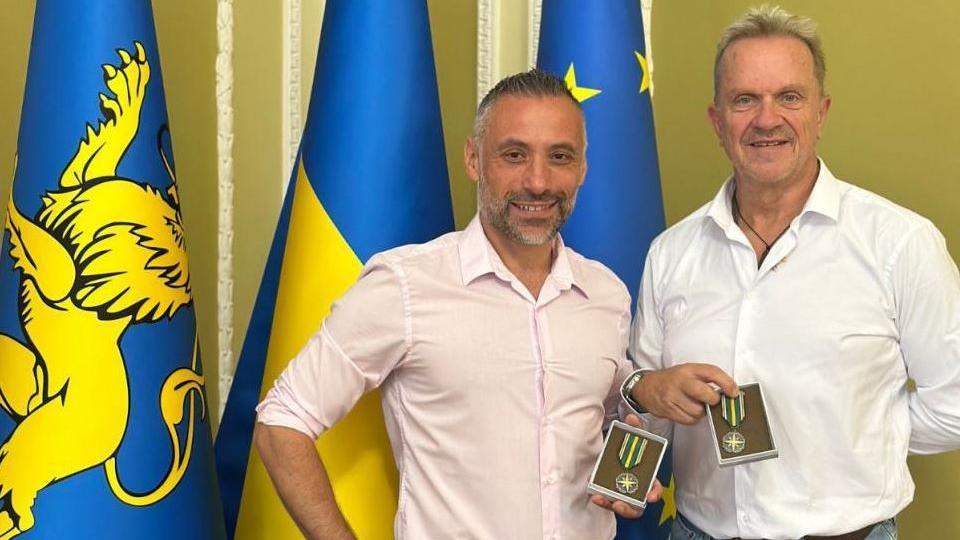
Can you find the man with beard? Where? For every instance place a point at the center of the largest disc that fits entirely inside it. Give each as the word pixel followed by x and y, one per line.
pixel 829 296
pixel 499 352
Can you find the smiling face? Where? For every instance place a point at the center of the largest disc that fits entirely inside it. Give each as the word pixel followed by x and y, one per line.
pixel 529 164
pixel 769 110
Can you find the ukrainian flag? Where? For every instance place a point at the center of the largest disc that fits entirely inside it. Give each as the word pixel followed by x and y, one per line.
pixel 371 174
pixel 598 48
pixel 102 412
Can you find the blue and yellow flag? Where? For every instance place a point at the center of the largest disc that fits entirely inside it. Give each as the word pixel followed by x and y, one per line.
pixel 102 409
pixel 598 48
pixel 371 174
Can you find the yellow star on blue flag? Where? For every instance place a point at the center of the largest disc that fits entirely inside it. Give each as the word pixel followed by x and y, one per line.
pixel 669 510
pixel 645 81
pixel 582 93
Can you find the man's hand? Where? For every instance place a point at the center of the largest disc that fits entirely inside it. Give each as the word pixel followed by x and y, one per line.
pixel 678 393
pixel 619 507
pixel 623 509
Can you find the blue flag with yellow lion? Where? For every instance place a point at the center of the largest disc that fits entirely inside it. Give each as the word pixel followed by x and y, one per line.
pixel 103 425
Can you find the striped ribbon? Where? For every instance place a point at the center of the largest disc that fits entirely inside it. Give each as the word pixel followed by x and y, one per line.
pixel 631 451
pixel 734 411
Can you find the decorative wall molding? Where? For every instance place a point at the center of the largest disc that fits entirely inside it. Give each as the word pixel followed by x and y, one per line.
pixel 225 186
pixel 534 11
pixel 291 119
pixel 487 62
pixel 647 7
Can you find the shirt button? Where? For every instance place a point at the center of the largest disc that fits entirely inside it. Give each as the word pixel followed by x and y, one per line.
pixel 551 478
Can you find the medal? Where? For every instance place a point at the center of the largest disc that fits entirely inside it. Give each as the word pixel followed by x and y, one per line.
pixel 733 411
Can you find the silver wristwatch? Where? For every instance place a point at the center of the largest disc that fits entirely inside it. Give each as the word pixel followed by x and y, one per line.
pixel 626 389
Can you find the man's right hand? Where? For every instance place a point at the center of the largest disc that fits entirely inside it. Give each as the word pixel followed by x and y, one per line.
pixel 678 393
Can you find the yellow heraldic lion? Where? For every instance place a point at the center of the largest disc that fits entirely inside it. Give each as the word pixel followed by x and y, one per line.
pixel 103 252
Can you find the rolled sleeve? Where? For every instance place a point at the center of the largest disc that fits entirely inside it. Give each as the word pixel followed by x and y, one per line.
pixel 363 339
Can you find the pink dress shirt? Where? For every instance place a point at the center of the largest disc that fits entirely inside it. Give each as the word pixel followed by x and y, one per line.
pixel 494 400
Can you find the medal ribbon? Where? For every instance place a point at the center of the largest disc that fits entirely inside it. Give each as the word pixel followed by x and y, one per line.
pixel 631 451
pixel 733 409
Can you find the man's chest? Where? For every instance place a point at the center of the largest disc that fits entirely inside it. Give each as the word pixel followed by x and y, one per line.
pixel 480 347
pixel 815 306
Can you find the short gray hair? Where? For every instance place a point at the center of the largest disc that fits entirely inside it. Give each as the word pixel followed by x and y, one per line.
pixel 767 21
pixel 533 84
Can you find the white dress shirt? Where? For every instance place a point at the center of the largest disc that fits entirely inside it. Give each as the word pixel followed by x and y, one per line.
pixel 858 296
pixel 494 400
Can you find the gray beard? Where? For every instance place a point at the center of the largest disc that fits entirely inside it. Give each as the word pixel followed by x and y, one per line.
pixel 496 212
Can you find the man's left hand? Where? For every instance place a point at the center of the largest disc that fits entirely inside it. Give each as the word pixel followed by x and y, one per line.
pixel 621 508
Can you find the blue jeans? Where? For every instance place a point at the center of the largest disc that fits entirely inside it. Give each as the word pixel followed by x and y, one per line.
pixel 684 530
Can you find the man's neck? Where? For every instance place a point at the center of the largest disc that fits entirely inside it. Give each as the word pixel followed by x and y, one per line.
pixel 769 208
pixel 531 264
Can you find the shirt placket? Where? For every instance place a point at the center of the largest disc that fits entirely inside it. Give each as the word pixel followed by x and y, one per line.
pixel 549 470
pixel 749 324
pixel 742 356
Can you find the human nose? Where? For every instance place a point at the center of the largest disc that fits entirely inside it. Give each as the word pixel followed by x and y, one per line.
pixel 768 116
pixel 537 178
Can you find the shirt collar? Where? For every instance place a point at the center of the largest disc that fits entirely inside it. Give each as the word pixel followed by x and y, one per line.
pixel 478 258
pixel 824 199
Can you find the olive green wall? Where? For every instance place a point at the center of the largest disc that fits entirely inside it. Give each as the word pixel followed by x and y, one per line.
pixel 891 129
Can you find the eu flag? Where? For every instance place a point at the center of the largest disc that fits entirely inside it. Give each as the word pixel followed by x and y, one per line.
pixel 598 48
pixel 370 175
pixel 102 409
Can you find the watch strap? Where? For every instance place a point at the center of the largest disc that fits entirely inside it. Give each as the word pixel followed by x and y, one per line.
pixel 626 389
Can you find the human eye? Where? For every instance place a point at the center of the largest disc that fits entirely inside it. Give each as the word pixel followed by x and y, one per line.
pixel 513 155
pixel 791 99
pixel 562 156
pixel 743 101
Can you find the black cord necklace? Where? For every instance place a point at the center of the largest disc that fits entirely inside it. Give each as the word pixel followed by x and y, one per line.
pixel 766 245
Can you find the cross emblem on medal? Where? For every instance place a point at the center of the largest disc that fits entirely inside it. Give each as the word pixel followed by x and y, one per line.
pixel 734 442
pixel 627 483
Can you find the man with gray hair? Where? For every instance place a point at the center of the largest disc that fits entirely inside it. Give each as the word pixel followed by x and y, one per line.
pixel 498 351
pixel 829 296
